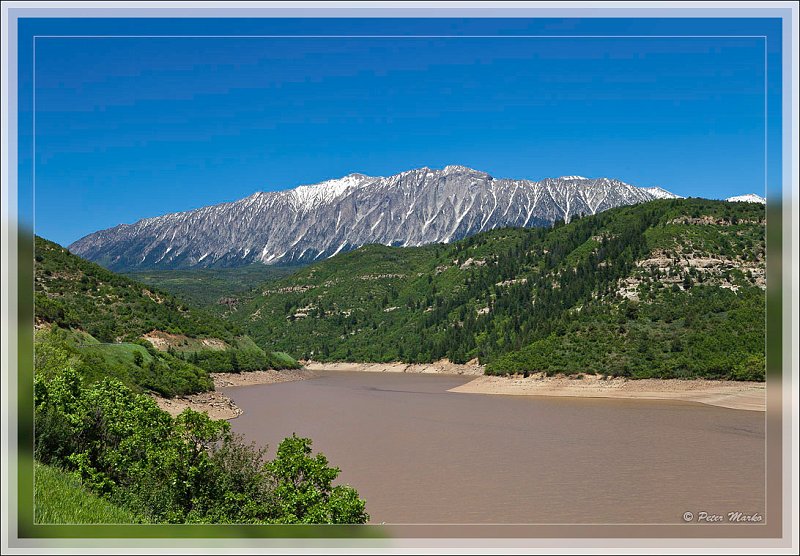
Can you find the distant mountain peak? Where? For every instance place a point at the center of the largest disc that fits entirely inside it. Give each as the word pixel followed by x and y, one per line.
pixel 316 221
pixel 458 169
pixel 748 198
pixel 309 196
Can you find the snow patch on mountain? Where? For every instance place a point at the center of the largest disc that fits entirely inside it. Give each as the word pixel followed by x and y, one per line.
pixel 749 198
pixel 660 193
pixel 307 197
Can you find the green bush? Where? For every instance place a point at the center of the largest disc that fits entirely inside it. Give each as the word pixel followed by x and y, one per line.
pixel 190 469
pixel 304 493
pixel 752 368
pixel 236 360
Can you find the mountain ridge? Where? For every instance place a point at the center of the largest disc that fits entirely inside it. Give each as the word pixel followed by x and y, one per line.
pixel 314 222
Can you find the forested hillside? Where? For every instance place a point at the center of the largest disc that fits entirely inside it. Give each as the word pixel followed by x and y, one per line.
pixel 669 288
pixel 71 291
pixel 113 326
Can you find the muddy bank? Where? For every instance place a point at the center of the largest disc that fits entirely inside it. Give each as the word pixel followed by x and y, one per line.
pixel 723 393
pixel 217 405
pixel 226 380
pixel 220 406
pixel 443 366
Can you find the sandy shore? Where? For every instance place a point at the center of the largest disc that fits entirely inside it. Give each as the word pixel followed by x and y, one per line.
pixel 220 406
pixel 443 366
pixel 723 393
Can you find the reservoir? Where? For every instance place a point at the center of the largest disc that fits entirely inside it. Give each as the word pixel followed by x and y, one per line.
pixel 420 454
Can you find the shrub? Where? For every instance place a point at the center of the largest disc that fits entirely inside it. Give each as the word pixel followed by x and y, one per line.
pixel 304 492
pixel 188 469
pixel 751 368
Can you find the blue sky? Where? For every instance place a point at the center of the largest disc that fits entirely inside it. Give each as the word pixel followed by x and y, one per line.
pixel 127 128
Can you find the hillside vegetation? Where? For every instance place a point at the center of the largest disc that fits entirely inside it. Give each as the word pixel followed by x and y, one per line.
pixel 124 459
pixel 106 453
pixel 112 326
pixel 137 364
pixel 214 289
pixel 73 292
pixel 669 288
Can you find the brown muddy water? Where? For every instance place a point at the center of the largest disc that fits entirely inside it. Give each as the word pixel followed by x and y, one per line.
pixel 419 454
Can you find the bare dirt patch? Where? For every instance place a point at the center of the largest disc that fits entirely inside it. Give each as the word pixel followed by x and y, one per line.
pixel 214 343
pixel 162 341
pixel 227 380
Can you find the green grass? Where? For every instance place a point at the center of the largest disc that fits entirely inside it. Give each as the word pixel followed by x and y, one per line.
pixel 59 498
pixel 284 359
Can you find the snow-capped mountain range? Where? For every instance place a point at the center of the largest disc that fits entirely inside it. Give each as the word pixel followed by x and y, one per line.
pixel 312 222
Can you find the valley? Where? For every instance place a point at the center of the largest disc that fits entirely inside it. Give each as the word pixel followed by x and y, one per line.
pixel 664 289
pixel 648 318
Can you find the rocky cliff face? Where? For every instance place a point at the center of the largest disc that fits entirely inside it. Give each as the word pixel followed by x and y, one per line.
pixel 313 222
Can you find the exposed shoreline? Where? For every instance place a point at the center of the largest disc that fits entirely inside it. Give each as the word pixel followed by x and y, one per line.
pixel 215 404
pixel 249 378
pixel 750 396
pixel 220 406
pixel 443 366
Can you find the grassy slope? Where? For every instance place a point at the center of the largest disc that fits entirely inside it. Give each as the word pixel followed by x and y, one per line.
pixel 560 286
pixel 59 498
pixel 141 368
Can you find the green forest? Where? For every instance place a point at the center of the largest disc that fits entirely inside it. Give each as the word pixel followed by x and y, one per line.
pixel 214 289
pixel 73 292
pixel 693 307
